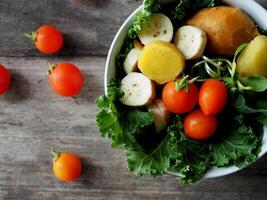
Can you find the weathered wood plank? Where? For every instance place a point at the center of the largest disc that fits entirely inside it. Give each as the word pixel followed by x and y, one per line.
pixel 88 25
pixel 33 120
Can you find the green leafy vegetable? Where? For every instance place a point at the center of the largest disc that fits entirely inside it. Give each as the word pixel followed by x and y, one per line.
pixel 236 146
pixel 193 163
pixel 107 118
pixel 189 158
pixel 154 162
pixel 261 102
pixel 141 21
pixel 151 6
pixel 257 83
pixel 240 105
pixel 120 125
pixel 237 142
pixel 263 31
pixel 234 64
pixel 262 118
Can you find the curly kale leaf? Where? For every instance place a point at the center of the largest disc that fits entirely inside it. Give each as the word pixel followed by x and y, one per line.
pixel 116 122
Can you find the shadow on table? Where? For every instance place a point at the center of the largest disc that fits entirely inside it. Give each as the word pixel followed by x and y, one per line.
pixel 259 168
pixel 90 172
pixel 102 3
pixel 69 48
pixel 19 88
pixel 92 88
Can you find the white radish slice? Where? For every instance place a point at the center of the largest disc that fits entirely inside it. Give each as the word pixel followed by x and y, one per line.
pixel 160 113
pixel 159 28
pixel 138 90
pixel 130 63
pixel 191 41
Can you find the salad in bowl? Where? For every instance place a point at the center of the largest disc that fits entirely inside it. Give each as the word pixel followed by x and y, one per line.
pixel 185 89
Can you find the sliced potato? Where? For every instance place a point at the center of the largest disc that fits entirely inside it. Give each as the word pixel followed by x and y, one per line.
pixel 161 61
pixel 253 60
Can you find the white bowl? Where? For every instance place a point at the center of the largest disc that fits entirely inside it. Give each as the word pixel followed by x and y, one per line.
pixel 251 7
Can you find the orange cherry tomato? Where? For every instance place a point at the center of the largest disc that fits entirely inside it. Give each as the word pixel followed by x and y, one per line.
pixel 66 79
pixel 213 96
pixel 67 166
pixel 4 79
pixel 47 39
pixel 199 126
pixel 181 101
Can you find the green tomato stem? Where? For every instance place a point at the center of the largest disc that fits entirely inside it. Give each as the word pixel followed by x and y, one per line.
pixel 179 84
pixel 51 67
pixel 54 154
pixel 32 36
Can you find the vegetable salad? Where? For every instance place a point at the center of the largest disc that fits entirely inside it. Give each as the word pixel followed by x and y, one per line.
pixel 182 101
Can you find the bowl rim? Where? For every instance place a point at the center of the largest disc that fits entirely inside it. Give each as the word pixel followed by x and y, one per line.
pixel 248 6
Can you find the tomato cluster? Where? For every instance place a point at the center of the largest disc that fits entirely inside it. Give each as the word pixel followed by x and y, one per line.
pixel 201 123
pixel 65 79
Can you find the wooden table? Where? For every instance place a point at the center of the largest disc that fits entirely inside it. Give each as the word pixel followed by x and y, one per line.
pixel 33 119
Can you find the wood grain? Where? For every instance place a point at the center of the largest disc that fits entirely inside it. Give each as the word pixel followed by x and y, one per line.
pixel 33 119
pixel 88 25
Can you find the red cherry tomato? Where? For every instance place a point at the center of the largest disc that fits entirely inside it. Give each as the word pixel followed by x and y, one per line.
pixel 181 101
pixel 4 79
pixel 66 79
pixel 67 166
pixel 213 97
pixel 199 126
pixel 47 39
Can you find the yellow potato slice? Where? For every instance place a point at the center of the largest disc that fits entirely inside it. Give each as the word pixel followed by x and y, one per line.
pixel 161 61
pixel 253 60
